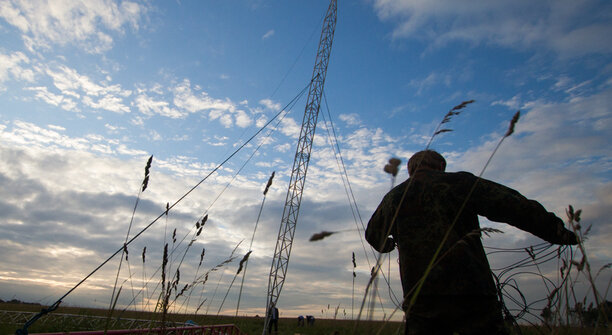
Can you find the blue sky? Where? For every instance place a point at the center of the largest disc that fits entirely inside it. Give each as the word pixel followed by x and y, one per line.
pixel 90 89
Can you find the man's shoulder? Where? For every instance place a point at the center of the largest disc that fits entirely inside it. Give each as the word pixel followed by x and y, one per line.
pixel 428 175
pixel 460 174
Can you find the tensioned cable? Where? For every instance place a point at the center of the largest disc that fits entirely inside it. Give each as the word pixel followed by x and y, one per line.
pixel 58 302
pixel 315 29
pixel 246 262
pixel 336 154
pixel 352 200
pixel 345 175
pixel 279 85
pixel 287 108
pixel 294 62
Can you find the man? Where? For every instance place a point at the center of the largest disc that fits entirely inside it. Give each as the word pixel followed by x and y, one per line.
pixel 459 294
pixel 273 315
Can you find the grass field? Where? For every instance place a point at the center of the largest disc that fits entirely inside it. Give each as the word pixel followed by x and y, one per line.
pixel 250 325
pixel 254 325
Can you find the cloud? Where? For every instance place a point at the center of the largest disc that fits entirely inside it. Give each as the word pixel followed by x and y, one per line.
pixel 85 24
pixel 226 120
pixel 42 93
pixel 512 103
pixel 285 147
pixel 68 80
pixel 270 104
pixel 149 106
pixel 107 102
pixel 74 88
pixel 561 27
pixel 185 98
pixel 223 110
pixel 350 119
pixel 55 127
pixel 261 121
pixel 289 127
pixel 242 119
pixel 10 67
pixel 268 34
pixel 52 138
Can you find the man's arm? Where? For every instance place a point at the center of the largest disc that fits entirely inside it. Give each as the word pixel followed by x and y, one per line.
pixel 503 204
pixel 377 232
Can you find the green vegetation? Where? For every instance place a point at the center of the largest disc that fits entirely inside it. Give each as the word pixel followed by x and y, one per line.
pixel 249 325
pixel 254 325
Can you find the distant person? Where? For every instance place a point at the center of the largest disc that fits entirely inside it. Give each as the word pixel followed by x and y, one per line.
pixel 310 320
pixel 459 294
pixel 301 321
pixel 273 315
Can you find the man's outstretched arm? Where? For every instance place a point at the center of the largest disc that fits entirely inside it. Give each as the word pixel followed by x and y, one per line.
pixel 503 204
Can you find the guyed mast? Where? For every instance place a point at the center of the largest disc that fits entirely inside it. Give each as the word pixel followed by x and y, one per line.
pixel 284 242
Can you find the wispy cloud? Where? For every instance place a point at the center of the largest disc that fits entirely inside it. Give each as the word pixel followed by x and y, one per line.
pixel 350 119
pixel 268 34
pixel 11 68
pixel 558 26
pixel 512 103
pixel 186 98
pixel 149 106
pixel 84 24
pixel 43 94
pixel 270 104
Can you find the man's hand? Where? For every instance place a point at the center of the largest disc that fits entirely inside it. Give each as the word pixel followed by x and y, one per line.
pixel 562 235
pixel 568 238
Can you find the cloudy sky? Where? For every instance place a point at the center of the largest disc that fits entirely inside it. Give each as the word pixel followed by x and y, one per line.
pixel 90 89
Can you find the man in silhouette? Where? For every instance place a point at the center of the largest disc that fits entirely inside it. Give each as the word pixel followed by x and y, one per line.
pixel 273 315
pixel 434 208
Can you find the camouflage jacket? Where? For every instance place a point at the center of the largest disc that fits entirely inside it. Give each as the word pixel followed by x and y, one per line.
pixel 430 206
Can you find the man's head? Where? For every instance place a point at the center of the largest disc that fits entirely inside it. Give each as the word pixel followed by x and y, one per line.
pixel 426 160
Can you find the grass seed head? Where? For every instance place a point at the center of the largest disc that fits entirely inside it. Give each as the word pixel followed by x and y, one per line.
pixel 462 105
pixel 269 183
pixel 321 235
pixel 202 256
pixel 391 169
pixel 395 161
pixel 148 166
pixel 442 131
pixel 145 182
pixel 125 250
pixel 513 122
pixel 243 260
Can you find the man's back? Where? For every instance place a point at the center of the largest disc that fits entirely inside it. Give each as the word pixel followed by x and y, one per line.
pixel 430 206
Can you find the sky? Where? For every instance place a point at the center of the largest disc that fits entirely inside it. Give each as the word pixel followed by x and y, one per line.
pixel 89 90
